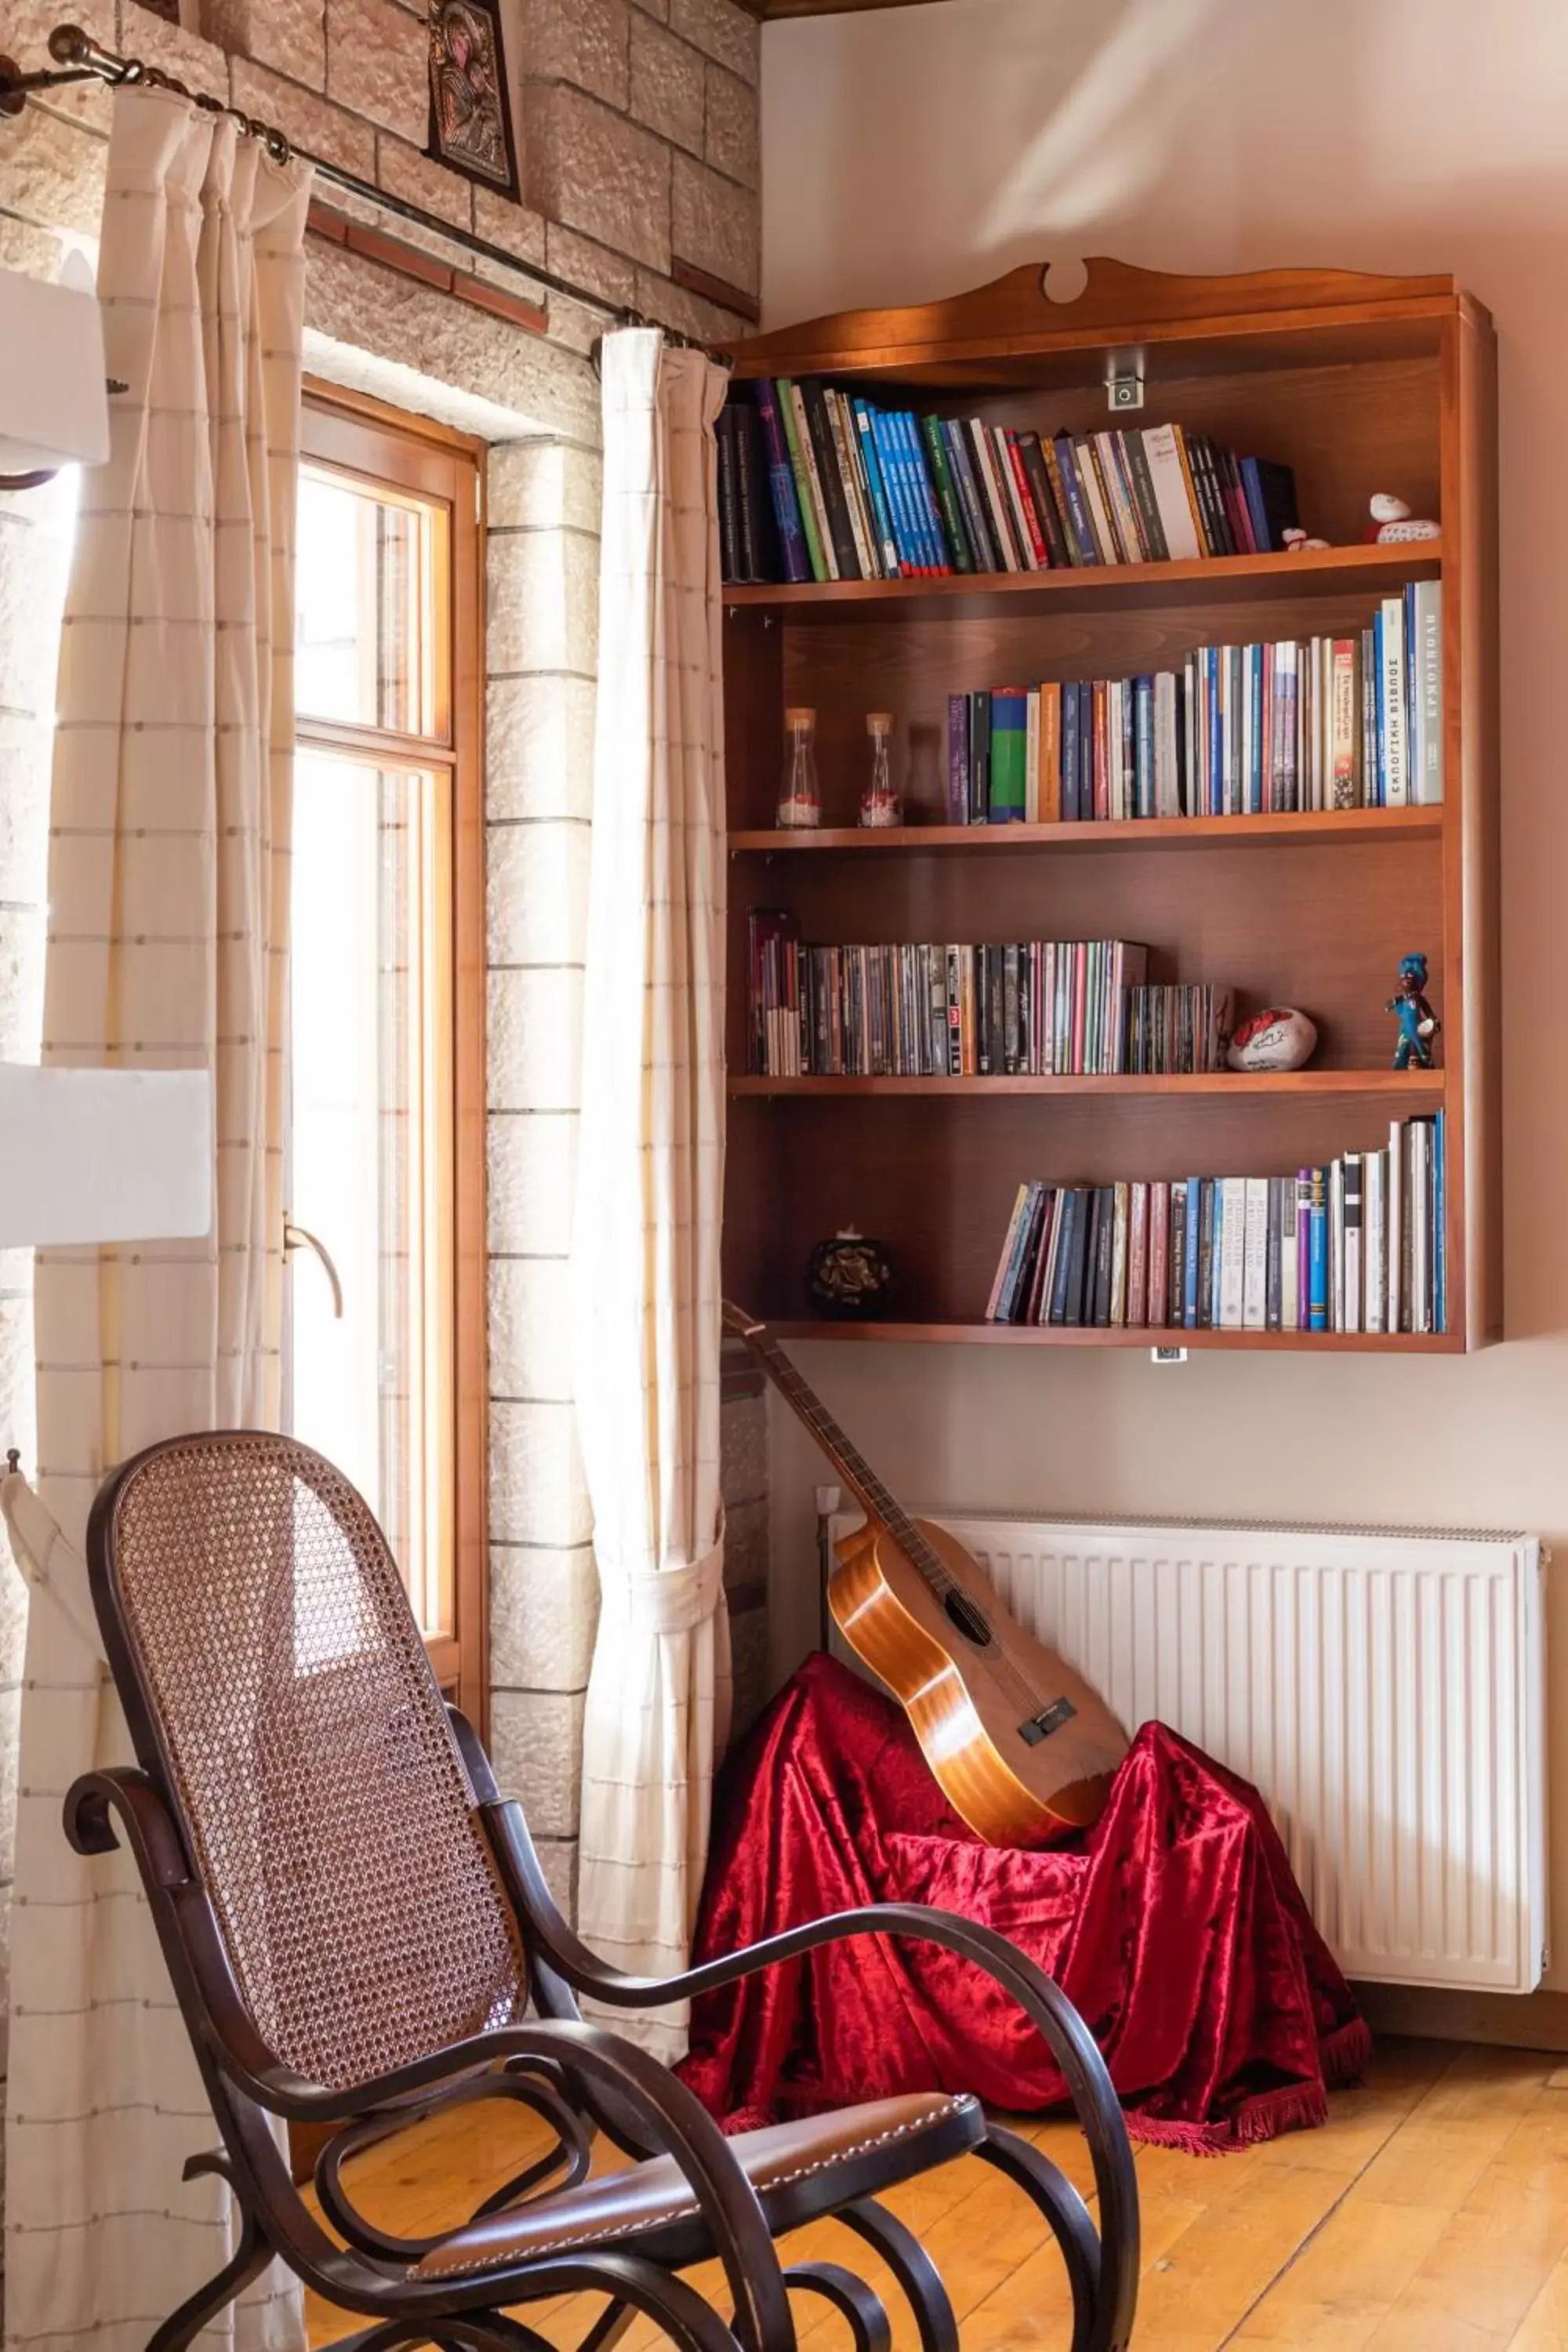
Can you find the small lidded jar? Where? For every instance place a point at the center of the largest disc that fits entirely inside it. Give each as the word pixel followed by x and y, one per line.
pixel 879 803
pixel 800 795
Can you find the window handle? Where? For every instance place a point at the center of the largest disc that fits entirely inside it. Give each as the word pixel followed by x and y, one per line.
pixel 300 1237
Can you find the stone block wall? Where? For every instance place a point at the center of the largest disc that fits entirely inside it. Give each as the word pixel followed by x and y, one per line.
pixel 543 503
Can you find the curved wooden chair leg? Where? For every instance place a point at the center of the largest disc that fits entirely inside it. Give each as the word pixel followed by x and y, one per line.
pixel 859 2303
pixel 247 2262
pixel 912 2266
pixel 608 2328
pixel 1055 2197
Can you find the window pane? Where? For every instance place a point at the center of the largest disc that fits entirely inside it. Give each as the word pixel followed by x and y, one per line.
pixel 369 1106
pixel 364 584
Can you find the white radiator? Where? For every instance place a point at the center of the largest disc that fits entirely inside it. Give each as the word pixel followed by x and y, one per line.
pixel 1383 1688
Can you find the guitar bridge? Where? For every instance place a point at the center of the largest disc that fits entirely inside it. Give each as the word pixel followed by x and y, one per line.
pixel 1049 1718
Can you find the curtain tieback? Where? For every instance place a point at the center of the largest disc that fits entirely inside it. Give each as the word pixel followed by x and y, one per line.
pixel 675 1600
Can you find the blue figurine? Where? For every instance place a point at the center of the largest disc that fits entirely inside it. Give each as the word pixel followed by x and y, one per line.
pixel 1418 1025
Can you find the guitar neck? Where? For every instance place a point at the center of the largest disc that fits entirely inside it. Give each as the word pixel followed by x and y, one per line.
pixel 849 1461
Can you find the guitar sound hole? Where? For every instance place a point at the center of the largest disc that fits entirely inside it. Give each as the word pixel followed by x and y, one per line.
pixel 968 1618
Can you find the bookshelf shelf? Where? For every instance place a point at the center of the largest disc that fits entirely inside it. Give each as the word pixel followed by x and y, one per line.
pixel 1422 1093
pixel 1358 383
pixel 1144 1338
pixel 1296 831
pixel 1113 588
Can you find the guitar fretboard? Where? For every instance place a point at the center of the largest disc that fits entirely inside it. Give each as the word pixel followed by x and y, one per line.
pixel 851 1464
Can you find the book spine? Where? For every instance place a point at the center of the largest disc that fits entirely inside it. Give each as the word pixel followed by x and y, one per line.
pixel 1071 810
pixel 1342 790
pixel 1024 503
pixel 1167 476
pixel 996 503
pixel 846 453
pixel 957 758
pixel 1374 1239
pixel 1426 654
pixel 1152 529
pixel 1120 1251
pixel 1200 525
pixel 1024 539
pixel 782 485
pixel 729 503
pixel 1118 497
pixel 979 758
pixel 925 495
pixel 947 495
pixel 1273 1260
pixel 971 497
pixel 1032 757
pixel 1255 1255
pixel 1078 512
pixel 1050 809
pixel 993 1304
pixel 1318 1255
pixel 1106 539
pixel 1176 1296
pixel 825 561
pixel 1211 1246
pixel 1397 738
pixel 1231 1233
pixel 834 497
pixel 1439 1221
pixel 888 461
pixel 1192 1254
pixel 877 489
pixel 1136 1312
pixel 1045 500
pixel 1159 1311
pixel 1009 725
pixel 1350 1314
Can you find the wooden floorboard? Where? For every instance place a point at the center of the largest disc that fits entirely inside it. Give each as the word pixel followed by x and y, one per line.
pixel 1430 2214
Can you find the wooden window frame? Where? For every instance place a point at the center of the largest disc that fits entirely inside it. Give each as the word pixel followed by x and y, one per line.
pixel 382 446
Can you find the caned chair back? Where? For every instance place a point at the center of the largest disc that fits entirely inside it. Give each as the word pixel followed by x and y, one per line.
pixel 276 1682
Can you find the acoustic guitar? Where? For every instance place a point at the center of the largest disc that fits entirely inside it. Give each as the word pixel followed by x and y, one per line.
pixel 1022 1748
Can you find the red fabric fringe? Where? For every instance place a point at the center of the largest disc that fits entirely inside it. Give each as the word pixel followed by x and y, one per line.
pixel 1175 1926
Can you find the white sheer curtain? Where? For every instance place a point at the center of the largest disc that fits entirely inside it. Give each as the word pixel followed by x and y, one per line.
pixel 651 1170
pixel 166 944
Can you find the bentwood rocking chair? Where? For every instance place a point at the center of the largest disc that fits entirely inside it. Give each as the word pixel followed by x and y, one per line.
pixel 359 1933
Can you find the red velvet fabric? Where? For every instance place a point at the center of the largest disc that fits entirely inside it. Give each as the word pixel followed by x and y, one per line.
pixel 1175 1926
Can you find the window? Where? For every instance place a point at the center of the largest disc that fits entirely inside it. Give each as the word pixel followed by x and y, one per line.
pixel 385 1328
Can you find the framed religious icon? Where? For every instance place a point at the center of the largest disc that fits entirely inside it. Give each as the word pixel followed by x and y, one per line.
pixel 471 100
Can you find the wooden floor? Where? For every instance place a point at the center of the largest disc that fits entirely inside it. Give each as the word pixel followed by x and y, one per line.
pixel 1429 2215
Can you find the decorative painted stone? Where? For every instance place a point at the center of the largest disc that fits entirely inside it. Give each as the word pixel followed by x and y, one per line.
pixel 1298 541
pixel 1395 525
pixel 1278 1039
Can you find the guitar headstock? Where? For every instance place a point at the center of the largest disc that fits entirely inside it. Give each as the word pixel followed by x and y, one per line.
pixel 737 1321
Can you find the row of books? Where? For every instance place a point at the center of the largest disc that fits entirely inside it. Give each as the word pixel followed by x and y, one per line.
pixel 1357 1245
pixel 1177 1030
pixel 819 484
pixel 1041 1008
pixel 1242 730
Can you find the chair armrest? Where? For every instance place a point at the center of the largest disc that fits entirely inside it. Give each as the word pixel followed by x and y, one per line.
pixel 101 1807
pixel 1042 2000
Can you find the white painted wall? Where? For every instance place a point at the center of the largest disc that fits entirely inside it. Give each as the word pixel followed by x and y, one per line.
pixel 920 151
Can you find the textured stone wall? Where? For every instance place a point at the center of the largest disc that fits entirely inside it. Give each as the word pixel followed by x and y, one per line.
pixel 638 125
pixel 544 497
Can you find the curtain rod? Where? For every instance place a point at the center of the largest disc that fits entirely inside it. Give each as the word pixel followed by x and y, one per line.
pixel 79 58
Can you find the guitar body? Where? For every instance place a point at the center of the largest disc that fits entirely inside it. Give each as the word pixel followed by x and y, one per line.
pixel 970 1681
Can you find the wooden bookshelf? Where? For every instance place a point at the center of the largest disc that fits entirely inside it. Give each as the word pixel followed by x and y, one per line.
pixel 1360 383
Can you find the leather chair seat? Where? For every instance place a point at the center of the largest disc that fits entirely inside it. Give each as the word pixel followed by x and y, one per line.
pixel 799 2170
